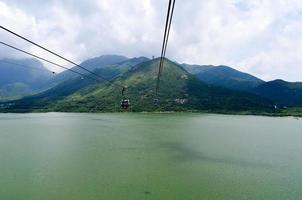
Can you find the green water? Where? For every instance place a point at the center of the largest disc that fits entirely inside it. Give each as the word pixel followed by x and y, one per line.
pixel 149 156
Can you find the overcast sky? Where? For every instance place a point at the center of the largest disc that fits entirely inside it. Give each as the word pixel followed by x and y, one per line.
pixel 261 37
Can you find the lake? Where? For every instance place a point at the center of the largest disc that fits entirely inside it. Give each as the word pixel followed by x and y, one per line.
pixel 131 156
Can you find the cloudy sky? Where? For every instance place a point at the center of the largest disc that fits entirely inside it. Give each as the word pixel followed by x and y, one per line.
pixel 262 37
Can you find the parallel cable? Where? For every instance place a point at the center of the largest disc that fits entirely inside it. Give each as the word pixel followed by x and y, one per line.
pixel 172 12
pixel 48 61
pixel 166 29
pixel 20 65
pixel 163 47
pixel 56 54
pixel 169 18
pixel 167 39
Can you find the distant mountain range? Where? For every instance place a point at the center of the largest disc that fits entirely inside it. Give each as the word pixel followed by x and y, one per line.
pixel 90 64
pixel 179 91
pixel 21 77
pixel 224 76
pixel 183 88
pixel 280 92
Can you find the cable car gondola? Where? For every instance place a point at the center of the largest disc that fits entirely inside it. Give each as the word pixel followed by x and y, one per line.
pixel 125 102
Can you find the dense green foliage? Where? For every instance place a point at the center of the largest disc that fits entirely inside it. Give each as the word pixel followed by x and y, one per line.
pixel 281 92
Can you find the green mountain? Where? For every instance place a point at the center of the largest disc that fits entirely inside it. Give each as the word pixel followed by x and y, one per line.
pixel 72 85
pixel 90 64
pixel 224 76
pixel 21 77
pixel 108 72
pixel 179 91
pixel 281 92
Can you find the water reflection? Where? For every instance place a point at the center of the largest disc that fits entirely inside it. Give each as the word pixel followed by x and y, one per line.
pixel 184 153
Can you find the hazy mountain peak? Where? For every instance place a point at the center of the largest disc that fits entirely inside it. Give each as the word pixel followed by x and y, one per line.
pixel 105 59
pixel 20 77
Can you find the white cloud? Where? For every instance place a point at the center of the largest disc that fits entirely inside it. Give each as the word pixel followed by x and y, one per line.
pixel 261 36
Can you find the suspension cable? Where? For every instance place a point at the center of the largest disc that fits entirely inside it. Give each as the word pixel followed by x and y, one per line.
pixel 169 18
pixel 48 61
pixel 56 54
pixel 28 66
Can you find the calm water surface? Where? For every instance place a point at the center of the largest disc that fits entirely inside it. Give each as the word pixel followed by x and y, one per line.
pixel 149 156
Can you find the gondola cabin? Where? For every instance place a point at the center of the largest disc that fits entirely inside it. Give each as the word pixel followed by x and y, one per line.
pixel 125 104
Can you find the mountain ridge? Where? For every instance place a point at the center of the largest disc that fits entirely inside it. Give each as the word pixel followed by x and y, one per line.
pixel 224 76
pixel 207 95
pixel 282 93
pixel 90 64
pixel 179 91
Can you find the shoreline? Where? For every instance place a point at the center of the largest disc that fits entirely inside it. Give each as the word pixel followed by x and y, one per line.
pixel 282 113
